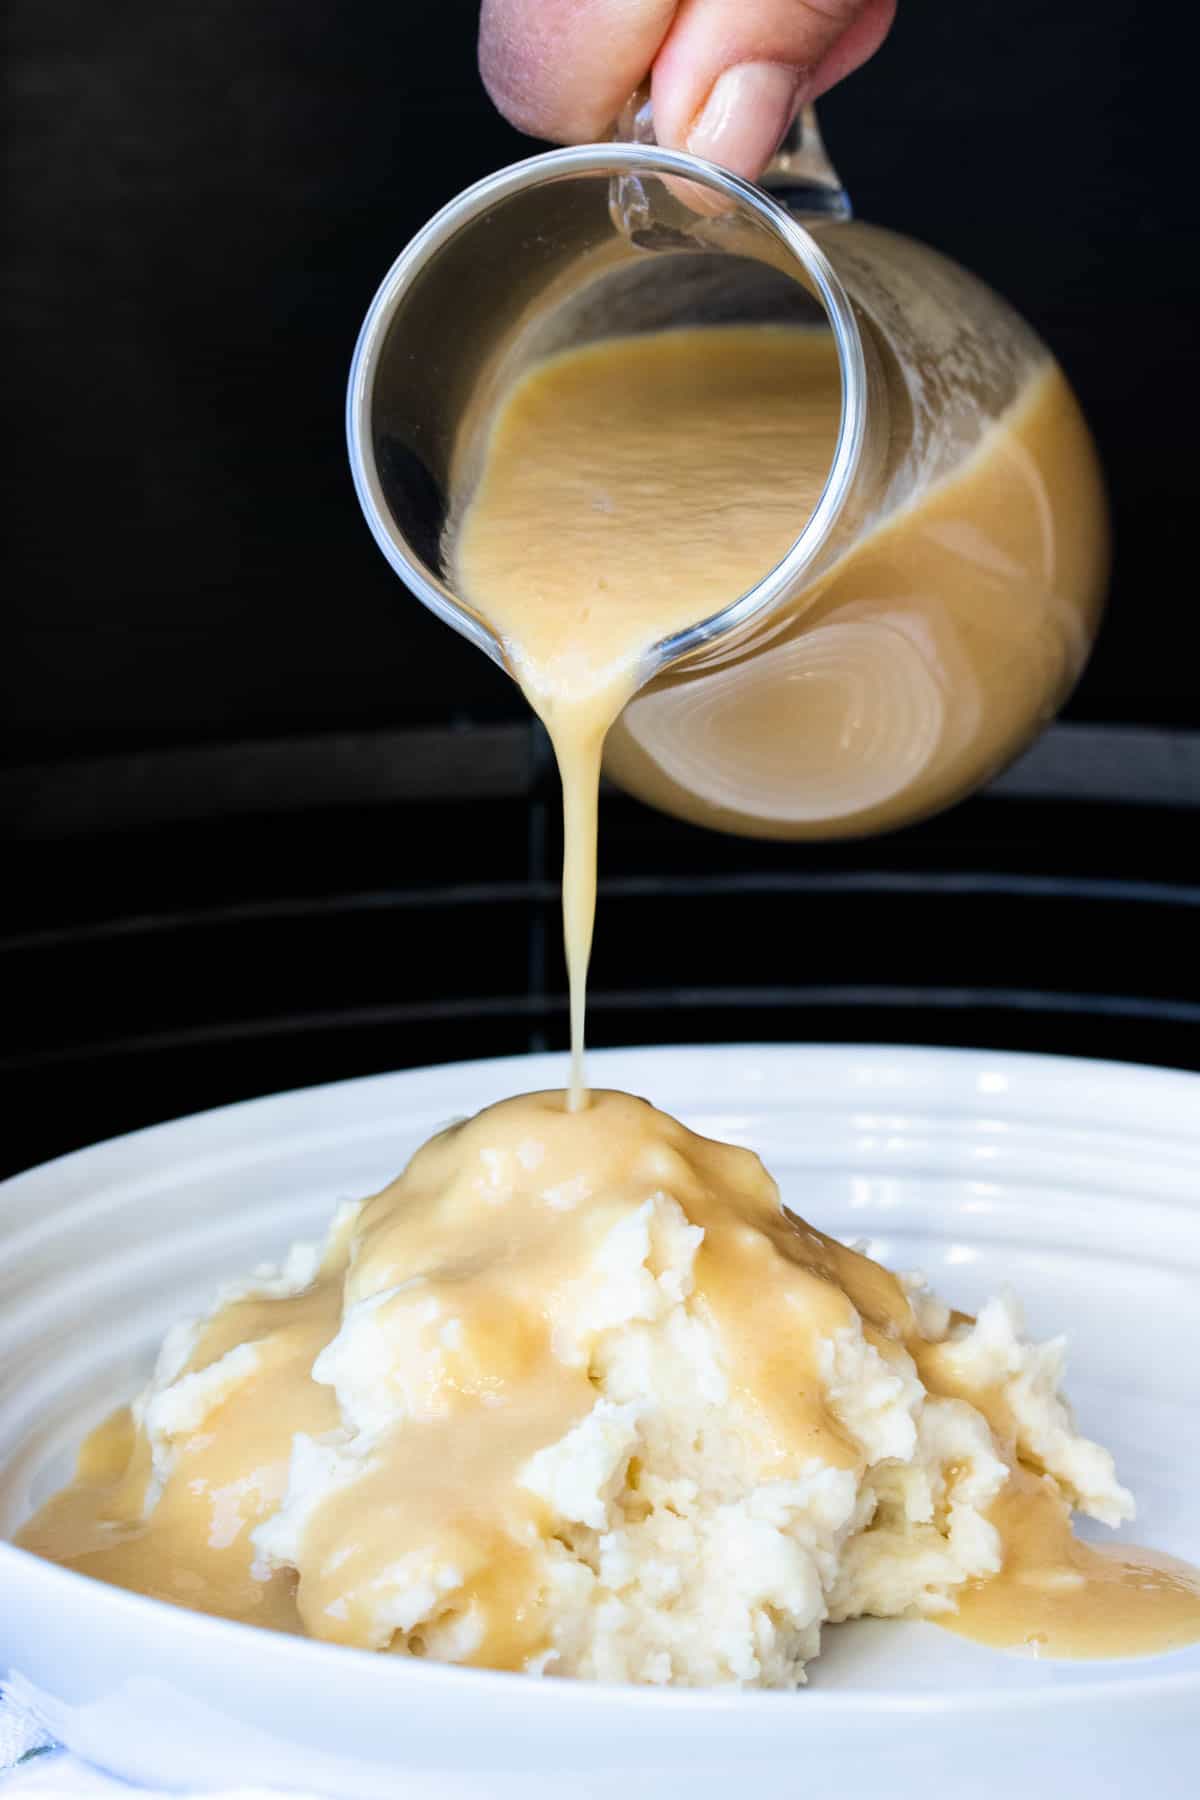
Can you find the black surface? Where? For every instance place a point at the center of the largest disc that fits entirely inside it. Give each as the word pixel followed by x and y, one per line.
pixel 200 204
pixel 201 201
pixel 159 972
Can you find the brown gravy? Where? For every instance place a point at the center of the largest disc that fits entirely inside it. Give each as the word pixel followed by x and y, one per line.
pixel 1058 1596
pixel 629 489
pixel 507 1184
pixel 531 1188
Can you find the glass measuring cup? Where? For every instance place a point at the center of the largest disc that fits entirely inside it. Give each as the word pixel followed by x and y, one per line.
pixel 940 598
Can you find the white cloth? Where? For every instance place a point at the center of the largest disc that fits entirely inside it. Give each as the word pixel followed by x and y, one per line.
pixel 31 1763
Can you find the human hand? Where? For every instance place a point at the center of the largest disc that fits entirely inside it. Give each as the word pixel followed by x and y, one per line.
pixel 727 76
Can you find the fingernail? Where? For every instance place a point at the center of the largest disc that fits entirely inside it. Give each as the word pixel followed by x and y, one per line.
pixel 745 117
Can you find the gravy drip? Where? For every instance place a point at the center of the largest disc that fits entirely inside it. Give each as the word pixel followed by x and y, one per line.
pixel 627 490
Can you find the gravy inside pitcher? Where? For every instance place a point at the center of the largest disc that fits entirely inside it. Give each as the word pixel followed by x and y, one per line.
pixel 636 485
pixel 918 666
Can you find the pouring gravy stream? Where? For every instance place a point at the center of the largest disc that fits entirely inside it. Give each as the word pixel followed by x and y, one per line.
pixel 632 488
pixel 627 490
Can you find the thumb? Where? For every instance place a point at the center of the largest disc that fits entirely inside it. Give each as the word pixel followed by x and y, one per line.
pixel 563 69
pixel 728 75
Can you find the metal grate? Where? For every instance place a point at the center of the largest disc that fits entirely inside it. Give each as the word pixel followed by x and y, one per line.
pixel 172 957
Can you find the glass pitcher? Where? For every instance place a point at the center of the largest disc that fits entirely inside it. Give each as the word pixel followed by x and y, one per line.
pixel 941 598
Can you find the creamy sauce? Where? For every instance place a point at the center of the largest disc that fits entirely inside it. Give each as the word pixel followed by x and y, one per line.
pixel 194 1546
pixel 628 489
pixel 494 1226
pixel 638 485
pixel 646 473
pixel 475 1258
pixel 1057 1596
pixel 913 671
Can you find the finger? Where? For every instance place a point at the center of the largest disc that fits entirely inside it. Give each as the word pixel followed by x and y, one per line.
pixel 857 45
pixel 728 78
pixel 563 69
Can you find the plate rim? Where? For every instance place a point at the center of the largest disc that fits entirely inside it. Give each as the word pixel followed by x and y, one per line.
pixel 311 1657
pixel 1022 1063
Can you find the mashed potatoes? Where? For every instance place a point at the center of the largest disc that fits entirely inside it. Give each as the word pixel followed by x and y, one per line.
pixel 576 1395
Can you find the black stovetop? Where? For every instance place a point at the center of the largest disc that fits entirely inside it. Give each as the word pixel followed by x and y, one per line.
pixel 153 965
pixel 267 822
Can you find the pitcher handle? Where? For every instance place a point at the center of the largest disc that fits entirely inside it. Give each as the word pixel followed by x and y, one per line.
pixel 800 175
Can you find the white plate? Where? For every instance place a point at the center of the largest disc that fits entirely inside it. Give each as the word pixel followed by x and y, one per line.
pixel 1077 1182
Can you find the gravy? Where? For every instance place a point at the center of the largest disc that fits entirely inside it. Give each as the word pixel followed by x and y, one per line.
pixel 630 489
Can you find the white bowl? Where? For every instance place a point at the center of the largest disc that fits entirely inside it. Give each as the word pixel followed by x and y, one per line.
pixel 1078 1182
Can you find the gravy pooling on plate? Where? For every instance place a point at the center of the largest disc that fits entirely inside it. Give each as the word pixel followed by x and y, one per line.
pixel 575 1351
pixel 576 1393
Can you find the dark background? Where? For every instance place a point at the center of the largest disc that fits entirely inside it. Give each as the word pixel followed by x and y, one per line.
pixel 266 821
